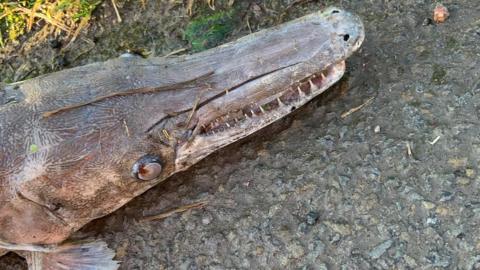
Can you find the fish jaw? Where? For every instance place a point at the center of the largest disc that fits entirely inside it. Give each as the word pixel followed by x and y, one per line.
pixel 253 119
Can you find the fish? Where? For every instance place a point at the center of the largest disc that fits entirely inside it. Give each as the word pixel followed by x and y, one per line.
pixel 77 144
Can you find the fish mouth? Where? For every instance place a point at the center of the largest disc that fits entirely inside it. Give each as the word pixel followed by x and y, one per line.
pixel 274 107
pixel 234 124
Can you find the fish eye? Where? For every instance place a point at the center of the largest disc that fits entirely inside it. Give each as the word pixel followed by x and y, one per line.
pixel 346 37
pixel 146 168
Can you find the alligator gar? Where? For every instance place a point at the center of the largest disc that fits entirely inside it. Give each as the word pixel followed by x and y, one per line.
pixel 76 145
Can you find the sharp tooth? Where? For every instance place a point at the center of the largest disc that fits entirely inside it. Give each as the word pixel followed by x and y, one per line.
pixel 253 113
pixel 262 109
pixel 312 85
pixel 246 115
pixel 321 74
pixel 300 91
pixel 279 102
pixel 236 120
pixel 228 125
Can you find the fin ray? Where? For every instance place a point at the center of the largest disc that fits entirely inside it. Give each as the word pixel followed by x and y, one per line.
pixel 75 256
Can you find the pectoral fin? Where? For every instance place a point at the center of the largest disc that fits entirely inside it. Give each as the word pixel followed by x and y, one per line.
pixel 76 256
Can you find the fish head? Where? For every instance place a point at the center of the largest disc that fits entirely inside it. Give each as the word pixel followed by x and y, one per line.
pixel 301 59
pixel 241 87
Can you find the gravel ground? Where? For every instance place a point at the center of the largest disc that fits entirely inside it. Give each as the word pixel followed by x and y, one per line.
pixel 394 185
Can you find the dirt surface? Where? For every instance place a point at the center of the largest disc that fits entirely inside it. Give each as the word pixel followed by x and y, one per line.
pixel 394 185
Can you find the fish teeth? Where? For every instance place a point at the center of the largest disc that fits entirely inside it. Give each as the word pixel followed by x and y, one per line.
pixel 261 109
pixel 322 75
pixel 300 92
pixel 279 102
pixel 313 87
pixel 246 115
pixel 253 113
pixel 228 125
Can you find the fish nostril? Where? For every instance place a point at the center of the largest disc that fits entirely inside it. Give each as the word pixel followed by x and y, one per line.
pixel 148 167
pixel 335 11
pixel 346 37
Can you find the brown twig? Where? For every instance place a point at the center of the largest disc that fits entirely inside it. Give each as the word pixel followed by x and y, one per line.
pixel 174 211
pixel 347 113
pixel 175 52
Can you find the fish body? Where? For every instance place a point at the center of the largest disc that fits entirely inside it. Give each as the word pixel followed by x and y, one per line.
pixel 76 145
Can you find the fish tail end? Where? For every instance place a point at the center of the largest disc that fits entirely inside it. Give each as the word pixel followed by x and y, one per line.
pixel 94 255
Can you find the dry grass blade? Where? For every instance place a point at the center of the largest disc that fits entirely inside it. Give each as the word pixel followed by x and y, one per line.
pixel 119 19
pixel 347 113
pixel 81 25
pixel 175 211
pixel 31 18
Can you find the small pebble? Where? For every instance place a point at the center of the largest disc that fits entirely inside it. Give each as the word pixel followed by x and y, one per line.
pixel 378 251
pixel 206 220
pixel 296 250
pixel 432 221
pixel 463 181
pixel 440 13
pixel 428 205
pixel 446 196
pixel 427 21
pixel 312 218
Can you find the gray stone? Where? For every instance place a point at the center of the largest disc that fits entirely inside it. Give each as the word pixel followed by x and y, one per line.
pixel 379 250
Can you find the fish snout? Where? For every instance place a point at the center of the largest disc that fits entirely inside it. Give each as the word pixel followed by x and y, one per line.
pixel 348 28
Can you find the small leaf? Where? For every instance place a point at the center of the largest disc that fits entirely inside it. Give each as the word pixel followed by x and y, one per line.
pixel 33 148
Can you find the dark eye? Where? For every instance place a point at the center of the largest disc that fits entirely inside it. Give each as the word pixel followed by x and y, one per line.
pixel 147 167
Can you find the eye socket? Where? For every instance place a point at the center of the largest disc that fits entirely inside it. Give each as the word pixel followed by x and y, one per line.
pixel 147 168
pixel 346 37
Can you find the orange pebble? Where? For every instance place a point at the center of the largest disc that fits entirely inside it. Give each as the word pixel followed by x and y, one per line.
pixel 440 13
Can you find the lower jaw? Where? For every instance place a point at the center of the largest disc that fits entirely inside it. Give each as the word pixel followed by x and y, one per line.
pixel 211 140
